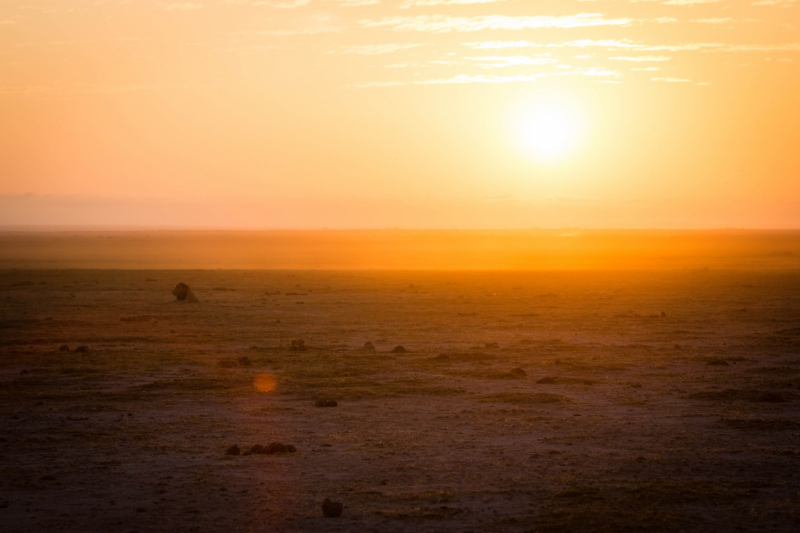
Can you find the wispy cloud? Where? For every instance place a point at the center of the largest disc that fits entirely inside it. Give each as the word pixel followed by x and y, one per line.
pixel 779 3
pixel 374 49
pixel 445 23
pixel 412 3
pixel 511 61
pixel 641 58
pixel 183 6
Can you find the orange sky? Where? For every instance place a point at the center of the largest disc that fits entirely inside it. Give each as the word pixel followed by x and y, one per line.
pixel 400 113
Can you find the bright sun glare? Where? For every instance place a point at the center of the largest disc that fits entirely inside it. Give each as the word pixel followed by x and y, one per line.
pixel 550 130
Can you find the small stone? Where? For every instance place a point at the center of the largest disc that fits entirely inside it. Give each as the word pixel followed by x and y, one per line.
pixel 369 346
pixel 276 447
pixel 492 345
pixel 326 403
pixel 663 314
pixel 290 448
pixel 677 346
pixel 141 510
pixel 258 449
pixel 331 509
pixel 82 349
pixel 233 450
pixel 244 361
pixel 383 482
pixel 298 345
pixel 399 349
pixel 63 348
pixel 518 372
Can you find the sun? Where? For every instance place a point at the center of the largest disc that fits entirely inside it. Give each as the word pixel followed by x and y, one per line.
pixel 550 130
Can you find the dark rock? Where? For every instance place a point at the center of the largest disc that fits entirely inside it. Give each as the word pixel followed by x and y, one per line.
pixel 258 449
pixel 233 450
pixel 48 478
pixel 492 345
pixel 369 346
pixel 663 314
pixel 677 346
pixel 326 403
pixel 290 448
pixel 298 345
pixel 716 361
pixel 226 363
pixel 383 482
pixel 63 348
pixel 399 349
pixel 24 371
pixel 331 509
pixel 141 510
pixel 244 361
pixel 547 381
pixel 771 397
pixel 183 293
pixel 151 279
pixel 526 341
pixel 82 349
pixel 518 372
pixel 276 447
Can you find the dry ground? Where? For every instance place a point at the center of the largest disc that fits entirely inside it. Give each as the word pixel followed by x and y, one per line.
pixel 688 421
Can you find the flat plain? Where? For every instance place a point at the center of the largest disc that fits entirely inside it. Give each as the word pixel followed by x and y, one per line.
pixel 647 400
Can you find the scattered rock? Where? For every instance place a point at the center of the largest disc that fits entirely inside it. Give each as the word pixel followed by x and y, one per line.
pixel 63 348
pixel 183 293
pixel 716 361
pixel 233 450
pixel 399 349
pixel 275 447
pixel 550 380
pixel 244 361
pixel 369 346
pixel 82 349
pixel 663 314
pixel 226 363
pixel 331 509
pixel 518 372
pixel 298 345
pixel 771 397
pixel 326 403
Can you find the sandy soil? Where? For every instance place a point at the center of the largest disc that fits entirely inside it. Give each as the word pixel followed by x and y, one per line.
pixel 687 421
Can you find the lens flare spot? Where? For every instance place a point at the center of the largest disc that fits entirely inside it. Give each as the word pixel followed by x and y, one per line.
pixel 265 382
